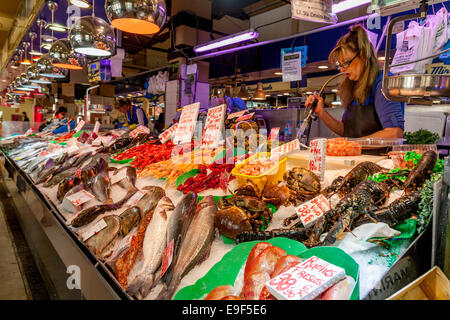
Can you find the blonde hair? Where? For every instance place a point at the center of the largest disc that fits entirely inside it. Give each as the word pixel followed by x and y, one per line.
pixel 357 41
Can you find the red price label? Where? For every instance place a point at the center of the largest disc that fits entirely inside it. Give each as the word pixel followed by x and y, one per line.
pixel 167 257
pixel 310 211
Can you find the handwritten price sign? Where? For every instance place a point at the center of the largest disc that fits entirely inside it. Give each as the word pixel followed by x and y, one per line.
pixel 236 114
pixel 135 198
pixel 285 148
pixel 79 126
pixel 94 229
pixel 306 280
pixel 274 133
pixel 312 210
pixel 168 134
pixel 80 197
pixel 186 125
pixel 213 127
pixel 139 130
pixel 245 117
pixel 317 154
pixel 167 257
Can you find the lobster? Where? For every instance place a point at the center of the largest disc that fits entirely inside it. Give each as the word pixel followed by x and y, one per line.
pixel 421 172
pixel 298 234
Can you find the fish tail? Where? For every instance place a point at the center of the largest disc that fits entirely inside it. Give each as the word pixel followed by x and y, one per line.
pixel 108 201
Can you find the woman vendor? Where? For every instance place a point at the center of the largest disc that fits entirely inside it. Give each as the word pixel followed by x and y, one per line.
pixel 368 114
pixel 135 115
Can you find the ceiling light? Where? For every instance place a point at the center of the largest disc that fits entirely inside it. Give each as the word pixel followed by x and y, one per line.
pixel 26 62
pixel 308 92
pixel 334 90
pixel 226 41
pixel 46 46
pixel 24 89
pixel 35 53
pixel 259 93
pixel 48 38
pixel 56 27
pixel 322 67
pixel 45 68
pixel 92 36
pixel 381 58
pixel 62 55
pixel 286 94
pixel 278 73
pixel 137 16
pixel 84 4
pixel 348 4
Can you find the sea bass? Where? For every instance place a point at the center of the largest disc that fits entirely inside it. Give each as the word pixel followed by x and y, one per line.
pixel 195 245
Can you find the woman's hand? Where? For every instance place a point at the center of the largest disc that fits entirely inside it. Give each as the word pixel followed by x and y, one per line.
pixel 320 108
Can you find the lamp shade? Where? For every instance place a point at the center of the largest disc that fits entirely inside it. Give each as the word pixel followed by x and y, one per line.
pixel 259 93
pixel 92 36
pixel 62 55
pixel 243 93
pixel 137 16
pixel 46 68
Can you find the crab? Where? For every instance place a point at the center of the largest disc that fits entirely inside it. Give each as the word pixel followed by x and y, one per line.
pixel 303 185
pixel 275 194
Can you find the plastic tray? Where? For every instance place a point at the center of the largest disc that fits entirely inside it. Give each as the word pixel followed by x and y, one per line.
pixel 398 153
pixel 377 142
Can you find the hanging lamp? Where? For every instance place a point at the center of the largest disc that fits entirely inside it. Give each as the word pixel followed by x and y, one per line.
pixel 83 4
pixel 137 16
pixel 63 56
pixel 243 93
pixel 53 5
pixel 34 77
pixel 92 36
pixel 46 68
pixel 259 93
pixel 33 52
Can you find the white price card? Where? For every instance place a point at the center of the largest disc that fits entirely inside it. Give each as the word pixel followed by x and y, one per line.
pixel 245 117
pixel 315 10
pixel 213 127
pixel 291 146
pixel 79 126
pixel 186 125
pixel 96 127
pixel 317 155
pixel 118 176
pixel 236 114
pixel 306 280
pixel 274 133
pixel 312 210
pixel 138 130
pixel 93 229
pixel 135 198
pixel 292 66
pixel 80 197
pixel 168 134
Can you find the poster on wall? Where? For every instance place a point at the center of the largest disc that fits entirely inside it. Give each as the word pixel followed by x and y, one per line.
pixel 292 66
pixel 313 10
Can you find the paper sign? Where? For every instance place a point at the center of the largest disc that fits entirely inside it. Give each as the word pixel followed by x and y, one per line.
pixel 80 197
pixel 140 129
pixel 79 126
pixel 94 229
pixel 292 67
pixel 317 154
pixel 167 257
pixel 213 127
pixel 96 127
pixel 118 176
pixel 274 133
pixel 285 148
pixel 135 198
pixel 312 210
pixel 191 69
pixel 236 114
pixel 186 125
pixel 43 153
pixel 313 10
pixel 168 134
pixel 306 280
pixel 29 131
pixel 245 117
pixel 78 173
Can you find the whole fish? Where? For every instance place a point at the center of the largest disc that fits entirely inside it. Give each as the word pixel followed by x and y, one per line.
pixel 130 218
pixel 155 242
pixel 67 205
pixel 58 177
pixel 130 178
pixel 79 159
pixel 65 185
pixel 195 245
pixel 46 173
pixel 89 214
pixel 101 187
pixel 104 237
pixel 151 198
pixel 62 158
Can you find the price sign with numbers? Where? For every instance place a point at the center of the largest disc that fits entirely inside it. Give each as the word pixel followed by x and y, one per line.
pixel 236 114
pixel 168 134
pixel 138 130
pixel 80 197
pixel 135 198
pixel 96 127
pixel 274 133
pixel 213 127
pixel 79 126
pixel 167 257
pixel 94 229
pixel 312 210
pixel 186 125
pixel 245 117
pixel 306 280
pixel 317 155
pixel 284 149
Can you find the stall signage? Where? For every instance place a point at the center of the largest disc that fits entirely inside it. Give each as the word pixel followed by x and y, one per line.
pixel 437 68
pixel 96 127
pixel 135 198
pixel 29 131
pixel 140 129
pixel 302 49
pixel 306 280
pixel 213 127
pixel 236 114
pixel 312 210
pixel 313 10
pixel 186 125
pixel 94 229
pixel 168 134
pixel 167 257
pixel 285 148
pixel 274 133
pixel 292 67
pixel 317 154
pixel 245 117
pixel 79 126
pixel 80 197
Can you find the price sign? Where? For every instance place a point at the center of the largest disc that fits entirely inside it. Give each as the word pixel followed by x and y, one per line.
pixel 213 127
pixel 118 176
pixel 285 148
pixel 236 114
pixel 94 229
pixel 306 280
pixel 168 134
pixel 80 197
pixel 274 133
pixel 317 154
pixel 312 210
pixel 29 131
pixel 292 67
pixel 96 127
pixel 135 198
pixel 43 153
pixel 186 125
pixel 140 129
pixel 79 126
pixel 245 117
pixel 167 257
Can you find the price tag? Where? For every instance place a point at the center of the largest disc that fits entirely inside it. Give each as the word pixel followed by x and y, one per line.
pixel 277 152
pixel 274 133
pixel 138 130
pixel 29 131
pixel 245 117
pixel 186 125
pixel 118 176
pixel 306 280
pixel 43 153
pixel 135 198
pixel 79 126
pixel 168 134
pixel 236 114
pixel 94 229
pixel 80 197
pixel 213 127
pixel 317 155
pixel 167 257
pixel 96 127
pixel 312 210
pixel 78 173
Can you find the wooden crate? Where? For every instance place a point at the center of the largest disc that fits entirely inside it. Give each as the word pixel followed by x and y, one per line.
pixel 433 285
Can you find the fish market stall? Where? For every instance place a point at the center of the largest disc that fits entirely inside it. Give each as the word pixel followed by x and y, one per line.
pixel 144 218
